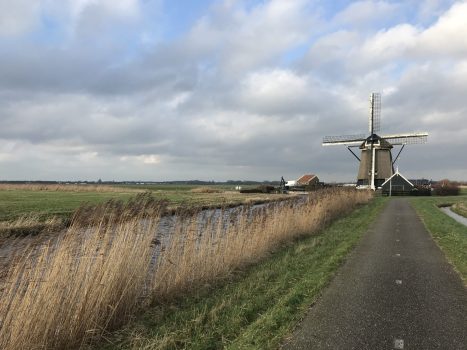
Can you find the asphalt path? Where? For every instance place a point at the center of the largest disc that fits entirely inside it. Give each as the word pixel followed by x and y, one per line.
pixel 396 291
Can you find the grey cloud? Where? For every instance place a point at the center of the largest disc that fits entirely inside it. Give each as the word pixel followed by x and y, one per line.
pixel 220 103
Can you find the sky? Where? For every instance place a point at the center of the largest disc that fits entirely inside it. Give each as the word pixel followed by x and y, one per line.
pixel 156 90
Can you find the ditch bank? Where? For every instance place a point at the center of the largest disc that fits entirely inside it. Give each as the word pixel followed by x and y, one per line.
pixel 448 211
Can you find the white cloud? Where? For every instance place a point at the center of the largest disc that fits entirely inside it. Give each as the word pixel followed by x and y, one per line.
pixel 18 16
pixel 366 13
pixel 149 158
pixel 126 8
pixel 447 37
pixel 389 44
pixel 223 100
pixel 276 89
pixel 245 39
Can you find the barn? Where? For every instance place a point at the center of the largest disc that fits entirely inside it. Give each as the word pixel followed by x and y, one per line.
pixel 397 185
pixel 308 180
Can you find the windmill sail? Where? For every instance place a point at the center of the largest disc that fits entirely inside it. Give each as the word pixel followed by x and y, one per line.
pixel 374 121
pixel 343 139
pixel 407 139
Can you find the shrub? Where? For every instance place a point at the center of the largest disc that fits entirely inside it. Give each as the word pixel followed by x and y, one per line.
pixel 259 189
pixel 446 187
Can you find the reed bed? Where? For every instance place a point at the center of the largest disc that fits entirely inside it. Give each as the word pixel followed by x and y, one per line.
pixel 119 257
pixel 206 189
pixel 228 240
pixel 65 188
pixel 30 225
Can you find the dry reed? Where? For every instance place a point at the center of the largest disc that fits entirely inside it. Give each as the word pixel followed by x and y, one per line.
pixel 206 189
pixel 65 188
pixel 30 225
pixel 71 289
pixel 197 254
pixel 90 281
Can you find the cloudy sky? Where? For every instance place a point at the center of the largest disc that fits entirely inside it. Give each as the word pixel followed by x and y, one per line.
pixel 226 89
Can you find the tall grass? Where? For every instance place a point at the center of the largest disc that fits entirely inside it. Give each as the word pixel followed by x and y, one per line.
pixel 460 208
pixel 30 225
pixel 110 261
pixel 66 188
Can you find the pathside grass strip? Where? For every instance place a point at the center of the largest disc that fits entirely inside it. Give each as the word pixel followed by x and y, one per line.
pixel 450 235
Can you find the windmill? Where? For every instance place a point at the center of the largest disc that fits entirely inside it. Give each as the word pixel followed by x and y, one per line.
pixel 376 162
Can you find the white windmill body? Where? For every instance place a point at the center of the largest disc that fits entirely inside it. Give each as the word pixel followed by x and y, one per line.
pixel 376 162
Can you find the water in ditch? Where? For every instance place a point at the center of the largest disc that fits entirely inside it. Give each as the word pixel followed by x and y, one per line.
pixel 455 216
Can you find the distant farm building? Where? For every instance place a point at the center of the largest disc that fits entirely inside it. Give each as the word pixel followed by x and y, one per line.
pixel 397 185
pixel 305 182
pixel 308 180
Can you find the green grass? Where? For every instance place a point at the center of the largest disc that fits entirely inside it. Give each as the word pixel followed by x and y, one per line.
pixel 176 187
pixel 161 187
pixel 16 203
pixel 450 235
pixel 256 308
pixel 181 194
pixel 460 208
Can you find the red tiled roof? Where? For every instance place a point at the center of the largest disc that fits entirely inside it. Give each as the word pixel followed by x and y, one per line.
pixel 305 179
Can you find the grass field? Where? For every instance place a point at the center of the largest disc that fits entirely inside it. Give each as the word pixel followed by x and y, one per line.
pixel 39 201
pixel 256 307
pixel 16 203
pixel 450 235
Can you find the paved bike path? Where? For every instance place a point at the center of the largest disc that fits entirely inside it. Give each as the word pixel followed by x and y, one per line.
pixel 396 291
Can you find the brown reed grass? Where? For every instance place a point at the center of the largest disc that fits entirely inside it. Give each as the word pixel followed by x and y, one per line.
pixel 89 281
pixel 65 188
pixel 206 189
pixel 30 224
pixel 195 255
pixel 71 289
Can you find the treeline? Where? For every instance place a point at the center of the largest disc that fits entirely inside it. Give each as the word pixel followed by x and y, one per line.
pixel 181 182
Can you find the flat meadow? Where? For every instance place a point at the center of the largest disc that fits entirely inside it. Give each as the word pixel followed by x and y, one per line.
pixel 49 200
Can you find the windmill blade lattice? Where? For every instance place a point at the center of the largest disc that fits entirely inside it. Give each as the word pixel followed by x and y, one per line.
pixel 407 139
pixel 374 121
pixel 343 139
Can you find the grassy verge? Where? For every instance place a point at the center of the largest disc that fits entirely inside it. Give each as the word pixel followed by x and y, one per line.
pixel 460 208
pixel 450 235
pixel 259 306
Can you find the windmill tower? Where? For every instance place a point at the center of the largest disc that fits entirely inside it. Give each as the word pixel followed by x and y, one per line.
pixel 376 162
